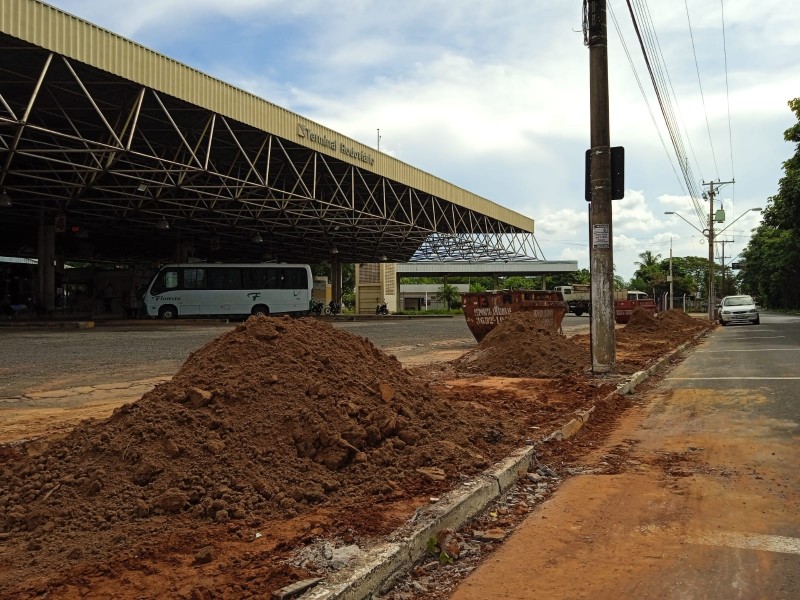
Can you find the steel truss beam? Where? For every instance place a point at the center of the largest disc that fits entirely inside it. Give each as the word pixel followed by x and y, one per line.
pixel 115 159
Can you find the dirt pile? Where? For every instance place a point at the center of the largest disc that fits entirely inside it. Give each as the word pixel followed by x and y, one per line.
pixel 268 420
pixel 667 326
pixel 518 348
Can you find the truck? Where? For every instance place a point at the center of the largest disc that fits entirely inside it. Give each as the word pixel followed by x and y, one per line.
pixel 579 300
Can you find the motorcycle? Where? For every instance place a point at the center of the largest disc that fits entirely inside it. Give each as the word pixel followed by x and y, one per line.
pixel 333 308
pixel 382 309
pixel 316 307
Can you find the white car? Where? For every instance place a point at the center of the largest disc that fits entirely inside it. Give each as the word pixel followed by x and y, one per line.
pixel 738 309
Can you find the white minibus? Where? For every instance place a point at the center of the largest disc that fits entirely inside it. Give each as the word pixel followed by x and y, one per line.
pixel 193 289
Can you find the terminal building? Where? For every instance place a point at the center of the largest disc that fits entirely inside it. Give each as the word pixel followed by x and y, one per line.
pixel 113 154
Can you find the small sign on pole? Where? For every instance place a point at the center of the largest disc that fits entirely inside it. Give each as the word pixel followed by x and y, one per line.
pixel 601 237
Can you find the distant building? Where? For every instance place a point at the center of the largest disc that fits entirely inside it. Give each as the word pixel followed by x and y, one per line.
pixel 424 296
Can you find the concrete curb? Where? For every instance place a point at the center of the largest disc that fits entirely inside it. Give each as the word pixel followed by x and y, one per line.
pixel 408 544
pixel 623 389
pixel 47 324
pixel 388 561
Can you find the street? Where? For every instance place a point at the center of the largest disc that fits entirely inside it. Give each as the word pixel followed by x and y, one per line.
pixel 693 495
pixel 51 359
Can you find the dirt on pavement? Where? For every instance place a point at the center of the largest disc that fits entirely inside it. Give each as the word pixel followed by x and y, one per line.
pixel 274 436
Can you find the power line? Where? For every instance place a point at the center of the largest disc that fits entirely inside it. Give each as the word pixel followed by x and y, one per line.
pixel 648 44
pixel 646 101
pixel 700 83
pixel 727 95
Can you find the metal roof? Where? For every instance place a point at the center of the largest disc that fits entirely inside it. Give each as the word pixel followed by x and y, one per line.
pixel 110 140
pixel 485 269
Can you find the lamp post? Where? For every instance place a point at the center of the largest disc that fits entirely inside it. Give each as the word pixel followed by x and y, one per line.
pixel 709 234
pixel 671 291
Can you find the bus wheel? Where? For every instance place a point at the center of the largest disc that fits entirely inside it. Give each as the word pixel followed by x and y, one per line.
pixel 260 310
pixel 167 312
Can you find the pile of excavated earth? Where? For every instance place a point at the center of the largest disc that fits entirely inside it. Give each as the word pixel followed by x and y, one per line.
pixel 281 429
pixel 518 348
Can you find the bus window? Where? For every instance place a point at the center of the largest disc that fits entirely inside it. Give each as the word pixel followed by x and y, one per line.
pixel 225 278
pixel 165 281
pixel 293 279
pixel 194 279
pixel 272 282
pixel 254 279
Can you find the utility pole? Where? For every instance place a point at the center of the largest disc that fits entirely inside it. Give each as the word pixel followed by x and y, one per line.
pixel 711 292
pixel 670 274
pixel 601 233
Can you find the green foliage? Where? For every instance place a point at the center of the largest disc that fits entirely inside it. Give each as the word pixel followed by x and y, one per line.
pixel 432 545
pixel 449 295
pixel 477 286
pixel 579 276
pixel 772 256
pixel 649 277
pixel 348 276
pixel 349 299
pixel 433 549
pixel 515 282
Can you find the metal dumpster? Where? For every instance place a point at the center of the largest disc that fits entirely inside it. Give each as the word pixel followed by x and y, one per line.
pixel 485 310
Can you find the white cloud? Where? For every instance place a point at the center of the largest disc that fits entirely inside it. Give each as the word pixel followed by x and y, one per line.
pixel 493 96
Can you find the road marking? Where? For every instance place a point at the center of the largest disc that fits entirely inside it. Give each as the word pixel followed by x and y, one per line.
pixel 751 350
pixel 713 378
pixel 747 541
pixel 752 337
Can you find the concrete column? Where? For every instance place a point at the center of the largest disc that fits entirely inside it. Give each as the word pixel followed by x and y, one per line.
pixel 46 272
pixel 336 279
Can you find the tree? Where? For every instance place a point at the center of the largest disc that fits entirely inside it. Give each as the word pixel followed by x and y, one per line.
pixel 449 295
pixel 476 286
pixel 516 282
pixel 687 271
pixel 649 277
pixel 772 257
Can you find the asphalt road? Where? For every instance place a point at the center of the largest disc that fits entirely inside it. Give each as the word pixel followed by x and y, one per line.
pixel 46 359
pixel 765 357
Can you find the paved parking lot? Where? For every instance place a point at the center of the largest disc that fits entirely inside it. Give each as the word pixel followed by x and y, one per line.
pixel 47 359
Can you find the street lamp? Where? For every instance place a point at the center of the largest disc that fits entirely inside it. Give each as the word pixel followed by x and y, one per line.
pixel 704 233
pixel 710 234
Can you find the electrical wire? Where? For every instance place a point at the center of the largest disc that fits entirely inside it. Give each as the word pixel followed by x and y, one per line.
pixel 728 99
pixel 664 78
pixel 672 91
pixel 648 45
pixel 700 83
pixel 646 101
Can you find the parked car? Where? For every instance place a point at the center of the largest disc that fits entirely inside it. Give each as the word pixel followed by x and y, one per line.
pixel 738 309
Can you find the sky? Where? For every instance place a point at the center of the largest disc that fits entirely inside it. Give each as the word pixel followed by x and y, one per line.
pixel 493 96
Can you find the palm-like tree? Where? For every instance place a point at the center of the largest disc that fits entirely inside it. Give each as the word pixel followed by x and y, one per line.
pixel 449 295
pixel 649 271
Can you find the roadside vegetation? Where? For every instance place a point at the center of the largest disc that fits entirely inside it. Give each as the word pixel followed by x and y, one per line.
pixel 772 258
